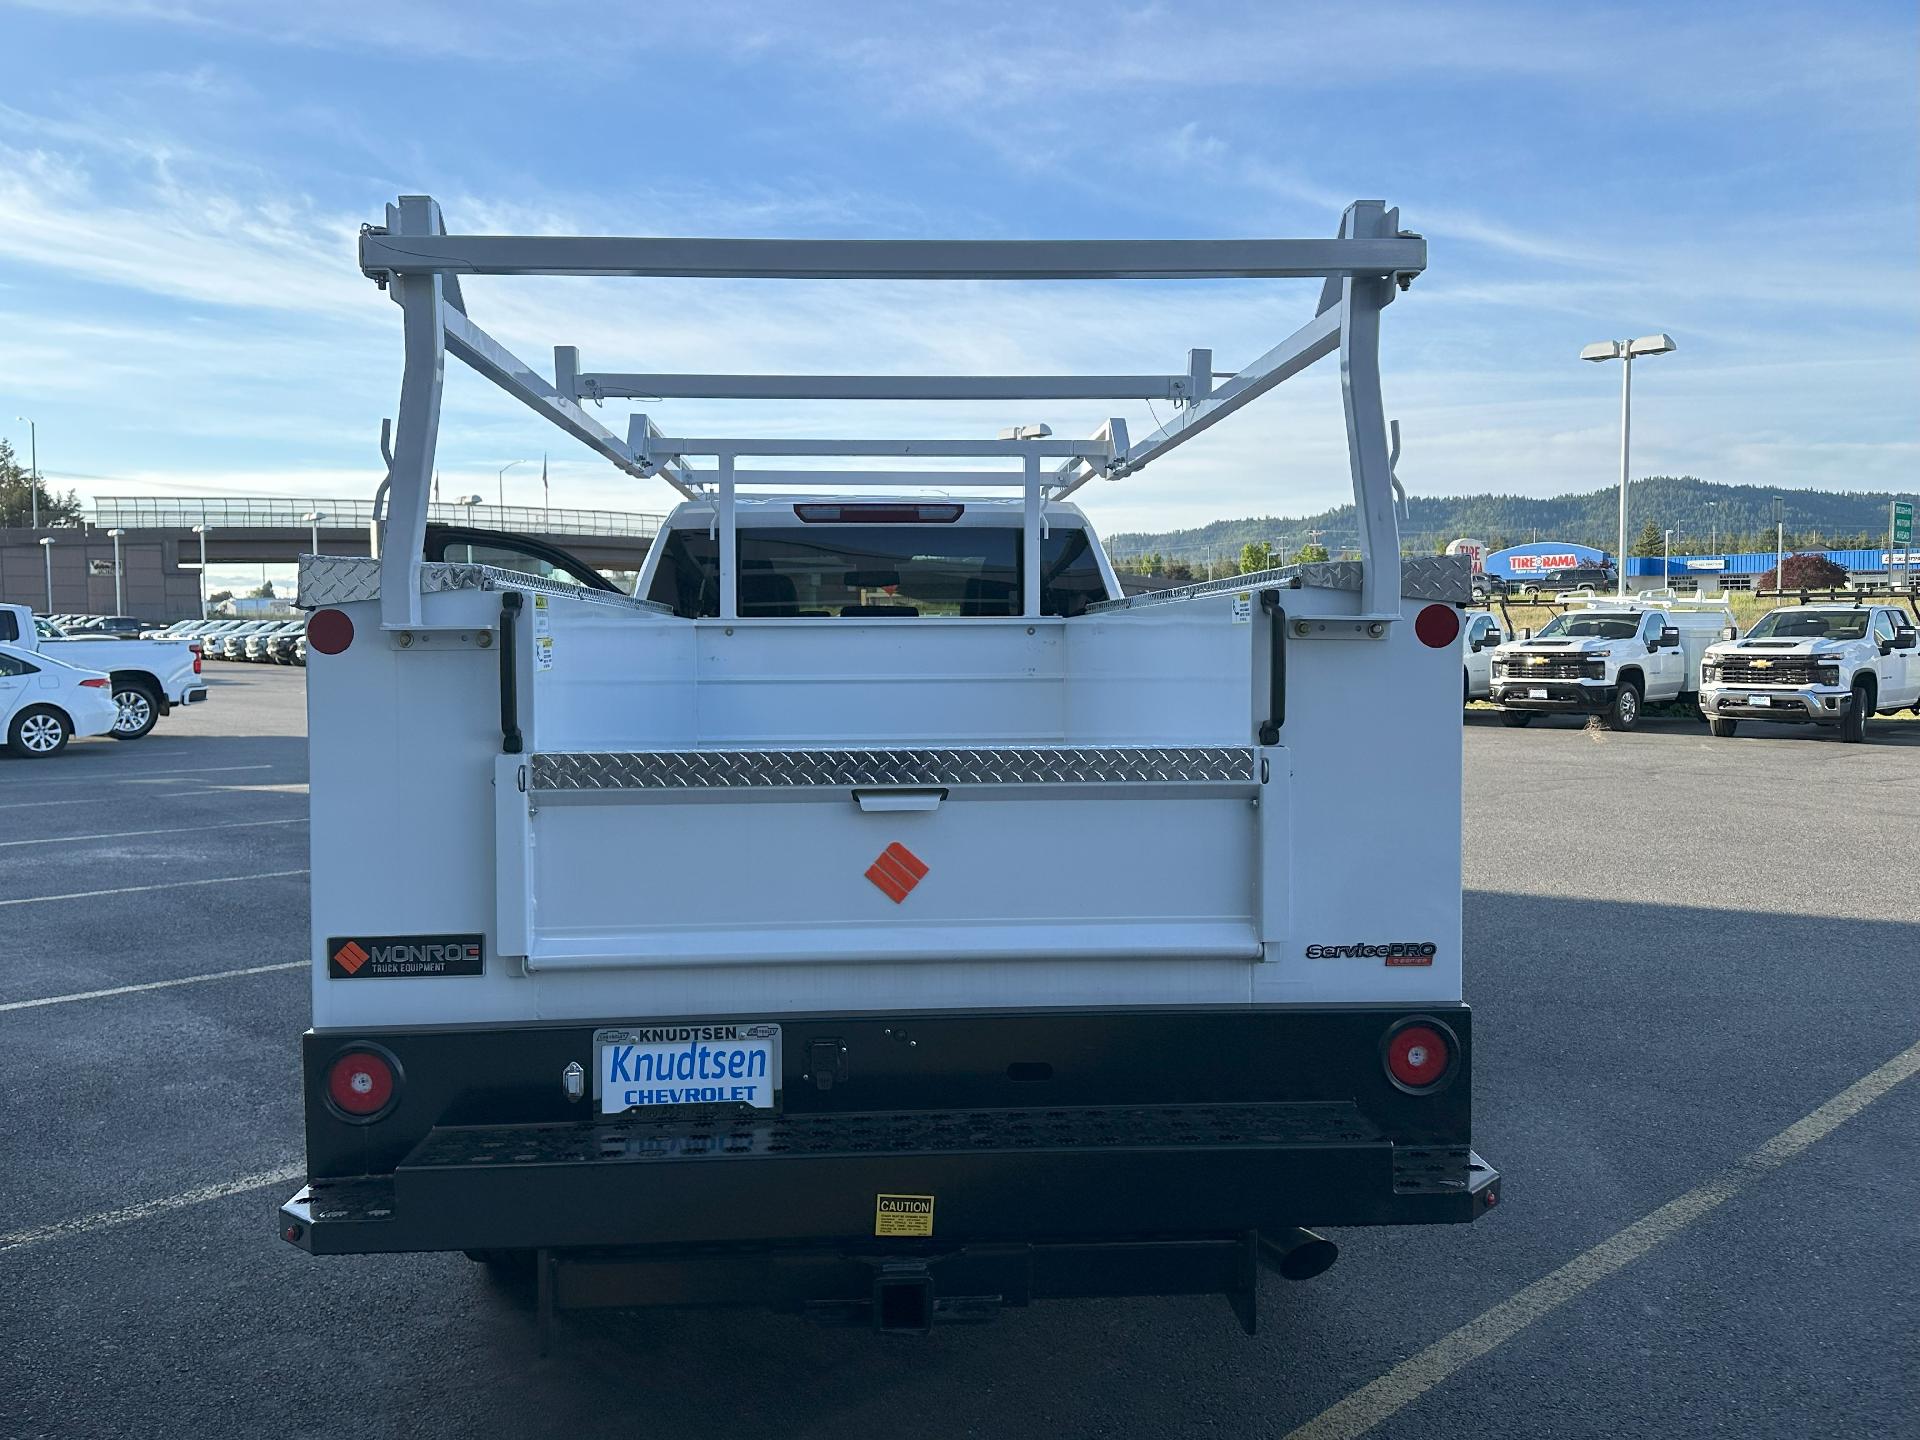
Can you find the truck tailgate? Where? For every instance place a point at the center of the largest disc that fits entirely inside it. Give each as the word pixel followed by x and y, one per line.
pixel 638 858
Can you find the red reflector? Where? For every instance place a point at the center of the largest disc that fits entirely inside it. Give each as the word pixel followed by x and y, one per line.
pixel 100 684
pixel 360 1083
pixel 1437 626
pixel 1418 1055
pixel 879 514
pixel 329 631
pixel 896 871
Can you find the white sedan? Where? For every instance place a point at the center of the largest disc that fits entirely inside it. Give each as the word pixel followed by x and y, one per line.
pixel 45 702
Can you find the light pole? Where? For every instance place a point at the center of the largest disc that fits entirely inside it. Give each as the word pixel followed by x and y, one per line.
pixel 33 447
pixel 502 478
pixel 313 518
pixel 1713 527
pixel 1625 351
pixel 46 548
pixel 1666 563
pixel 119 587
pixel 201 531
pixel 1779 544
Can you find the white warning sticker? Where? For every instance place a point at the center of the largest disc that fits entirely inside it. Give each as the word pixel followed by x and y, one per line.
pixel 543 652
pixel 1243 608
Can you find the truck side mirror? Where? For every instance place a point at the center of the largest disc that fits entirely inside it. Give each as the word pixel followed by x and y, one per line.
pixel 1527 633
pixel 1670 636
pixel 1494 637
pixel 1729 632
pixel 1904 638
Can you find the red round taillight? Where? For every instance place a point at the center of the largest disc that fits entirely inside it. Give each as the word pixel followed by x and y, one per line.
pixel 1419 1055
pixel 1437 626
pixel 329 631
pixel 361 1083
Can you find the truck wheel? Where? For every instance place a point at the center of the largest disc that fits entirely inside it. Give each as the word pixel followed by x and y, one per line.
pixel 1722 729
pixel 1624 713
pixel 1516 718
pixel 39 732
pixel 1853 727
pixel 139 709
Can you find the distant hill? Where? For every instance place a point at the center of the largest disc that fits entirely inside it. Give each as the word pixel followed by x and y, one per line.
pixel 1742 516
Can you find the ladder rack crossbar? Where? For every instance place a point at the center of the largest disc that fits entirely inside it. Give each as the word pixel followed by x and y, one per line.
pixel 413 256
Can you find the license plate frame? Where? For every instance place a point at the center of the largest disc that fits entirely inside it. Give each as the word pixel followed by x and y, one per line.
pixel 687 1066
pixel 1536 694
pixel 1762 702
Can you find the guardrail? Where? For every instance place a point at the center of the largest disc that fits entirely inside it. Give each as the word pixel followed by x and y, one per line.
pixel 153 512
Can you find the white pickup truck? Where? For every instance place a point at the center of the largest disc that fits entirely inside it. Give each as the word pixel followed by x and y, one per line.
pixel 1826 665
pixel 149 677
pixel 1611 658
pixel 876 914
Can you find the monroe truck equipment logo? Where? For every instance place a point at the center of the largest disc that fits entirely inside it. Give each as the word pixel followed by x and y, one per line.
pixel 372 957
pixel 1396 952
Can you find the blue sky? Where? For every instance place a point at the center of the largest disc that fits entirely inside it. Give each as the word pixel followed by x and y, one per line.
pixel 181 180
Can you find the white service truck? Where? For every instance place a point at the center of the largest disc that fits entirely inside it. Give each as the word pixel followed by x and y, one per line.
pixel 1609 657
pixel 149 677
pixel 875 914
pixel 1827 665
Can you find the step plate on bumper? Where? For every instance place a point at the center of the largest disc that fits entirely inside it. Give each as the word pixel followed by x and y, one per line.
pixel 995 1174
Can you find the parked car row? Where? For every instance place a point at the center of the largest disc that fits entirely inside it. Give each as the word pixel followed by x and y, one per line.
pixel 279 641
pixel 146 678
pixel 1832 665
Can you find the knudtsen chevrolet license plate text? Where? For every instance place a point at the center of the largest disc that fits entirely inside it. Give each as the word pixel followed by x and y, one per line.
pixel 687 1065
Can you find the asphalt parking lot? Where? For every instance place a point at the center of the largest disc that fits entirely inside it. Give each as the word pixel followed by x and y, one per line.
pixel 1679 948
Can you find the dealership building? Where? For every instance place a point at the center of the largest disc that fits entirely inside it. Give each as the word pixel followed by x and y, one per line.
pixel 1521 563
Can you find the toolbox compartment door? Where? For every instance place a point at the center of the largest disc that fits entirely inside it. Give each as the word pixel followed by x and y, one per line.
pixel 635 859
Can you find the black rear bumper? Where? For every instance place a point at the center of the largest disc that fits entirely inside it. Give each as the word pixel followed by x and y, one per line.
pixel 1142 1144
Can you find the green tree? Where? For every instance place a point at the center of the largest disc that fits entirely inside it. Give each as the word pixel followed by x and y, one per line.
pixel 1257 555
pixel 1179 571
pixel 1310 553
pixel 262 591
pixel 1650 541
pixel 219 597
pixel 18 488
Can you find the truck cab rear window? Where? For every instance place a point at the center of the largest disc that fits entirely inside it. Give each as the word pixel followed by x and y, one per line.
pixel 876 571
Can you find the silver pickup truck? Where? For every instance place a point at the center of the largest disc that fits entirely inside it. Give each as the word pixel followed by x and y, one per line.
pixel 149 677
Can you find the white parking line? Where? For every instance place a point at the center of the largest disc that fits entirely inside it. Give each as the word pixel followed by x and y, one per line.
pixel 125 776
pixel 237 788
pixel 1413 1377
pixel 170 830
pixel 138 889
pixel 150 985
pixel 128 1214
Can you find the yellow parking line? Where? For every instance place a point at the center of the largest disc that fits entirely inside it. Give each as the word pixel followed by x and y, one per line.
pixel 1411 1378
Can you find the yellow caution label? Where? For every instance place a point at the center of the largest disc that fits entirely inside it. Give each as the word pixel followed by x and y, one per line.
pixel 903 1214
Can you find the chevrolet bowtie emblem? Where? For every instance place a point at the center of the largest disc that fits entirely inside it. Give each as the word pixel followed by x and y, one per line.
pixel 1763 664
pixel 1536 659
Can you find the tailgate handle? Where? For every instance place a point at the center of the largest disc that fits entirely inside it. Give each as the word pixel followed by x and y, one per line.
pixel 889 802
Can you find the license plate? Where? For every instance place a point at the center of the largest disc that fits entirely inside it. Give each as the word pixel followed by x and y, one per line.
pixel 1536 694
pixel 655 1065
pixel 1761 700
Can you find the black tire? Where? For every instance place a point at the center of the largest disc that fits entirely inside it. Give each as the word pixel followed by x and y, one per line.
pixel 1853 725
pixel 1722 729
pixel 1516 718
pixel 1624 713
pixel 139 709
pixel 38 732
